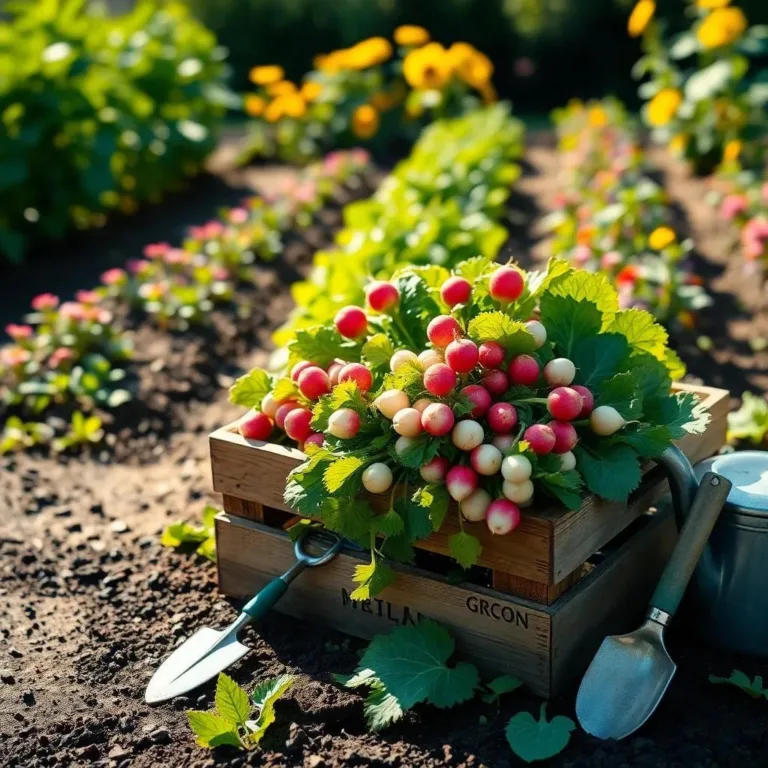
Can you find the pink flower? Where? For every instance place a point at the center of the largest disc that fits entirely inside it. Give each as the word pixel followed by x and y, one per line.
pixel 176 256
pixel 733 206
pixel 139 266
pixel 754 238
pixel 60 355
pixel 19 332
pixel 88 297
pixel 560 200
pixel 306 193
pixel 45 301
pixel 219 272
pixel 332 163
pixel 581 254
pixel 152 291
pixel 360 156
pixel 156 250
pixel 213 229
pixel 238 215
pixel 114 276
pixel 610 260
pixel 14 356
pixel 73 311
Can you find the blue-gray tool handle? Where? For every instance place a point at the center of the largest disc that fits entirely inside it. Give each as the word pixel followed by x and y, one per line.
pixel 699 522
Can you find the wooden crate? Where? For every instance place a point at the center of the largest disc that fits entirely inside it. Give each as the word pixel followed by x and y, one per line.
pixel 540 560
pixel 546 646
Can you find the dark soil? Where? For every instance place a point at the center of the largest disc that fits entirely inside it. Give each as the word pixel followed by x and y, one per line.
pixel 91 603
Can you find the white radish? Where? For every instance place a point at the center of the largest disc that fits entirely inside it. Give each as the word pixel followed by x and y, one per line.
pixel 391 401
pixel 559 372
pixel 429 357
pixel 407 422
pixel 567 461
pixel 403 444
pixel 269 405
pixel 503 442
pixel 516 469
pixel 467 435
pixel 605 420
pixel 344 423
pixel 538 331
pixel 486 459
pixel 401 357
pixel 518 492
pixel 377 478
pixel 475 505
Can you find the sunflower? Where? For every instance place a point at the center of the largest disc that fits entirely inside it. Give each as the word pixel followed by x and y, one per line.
pixel 266 75
pixel 721 27
pixel 255 105
pixel 472 66
pixel 365 121
pixel 281 88
pixel 410 34
pixel 663 106
pixel 640 17
pixel 311 90
pixel 661 237
pixel 368 53
pixel 287 105
pixel 731 151
pixel 428 68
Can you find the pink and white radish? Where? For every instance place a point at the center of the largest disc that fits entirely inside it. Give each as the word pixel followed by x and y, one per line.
pixel 491 354
pixel 297 424
pixel 456 290
pixel 524 370
pixel 461 355
pixel 407 422
pixel 540 437
pixel 377 478
pixel 516 469
pixel 503 442
pixel 460 481
pixel 520 493
pixel 313 382
pixel 439 380
pixel 565 436
pixel 559 372
pixel 437 419
pixel 358 373
pixel 442 330
pixel 564 403
pixel 587 400
pixel 502 418
pixel 605 420
pixel 502 516
pixel 390 402
pixel 344 423
pixel 429 357
pixel 506 284
pixel 351 322
pixel 467 434
pixel 434 471
pixel 496 382
pixel 486 459
pixel 256 426
pixel 269 405
pixel 401 357
pixel 474 507
pixel 316 438
pixel 421 404
pixel 299 367
pixel 382 296
pixel 538 331
pixel 480 399
pixel 283 410
pixel 334 369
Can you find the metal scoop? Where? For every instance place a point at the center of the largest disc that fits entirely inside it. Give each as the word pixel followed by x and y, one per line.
pixel 630 673
pixel 210 651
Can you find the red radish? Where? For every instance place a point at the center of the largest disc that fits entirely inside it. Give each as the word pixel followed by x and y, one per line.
pixel 358 373
pixel 401 357
pixel 502 516
pixel 559 372
pixel 314 382
pixel 297 424
pixel 437 419
pixel 520 493
pixel 382 296
pixel 442 330
pixel 480 399
pixel 429 357
pixel 299 367
pixel 538 331
pixel 565 436
pixel 540 437
pixel 344 423
pixel 316 438
pixel 377 478
pixel 587 400
pixel 567 461
pixel 475 505
pixel 421 404
pixel 351 322
pixel 491 354
pixel 334 369
pixel 564 403
pixel 486 459
pixel 407 422
pixel 456 290
pixel 467 435
pixel 506 284
pixel 503 442
pixel 496 382
pixel 269 405
pixel 516 469
pixel 439 380
pixel 390 402
pixel 257 426
pixel 461 481
pixel 461 355
pixel 605 420
pixel 524 370
pixel 435 471
pixel 283 410
pixel 502 418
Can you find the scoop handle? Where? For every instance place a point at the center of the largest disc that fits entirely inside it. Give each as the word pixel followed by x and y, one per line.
pixel 702 516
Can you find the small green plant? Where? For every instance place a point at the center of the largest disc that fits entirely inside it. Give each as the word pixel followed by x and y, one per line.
pixel 532 739
pixel 753 688
pixel 749 422
pixel 499 686
pixel 83 430
pixel 181 534
pixel 232 721
pixel 17 435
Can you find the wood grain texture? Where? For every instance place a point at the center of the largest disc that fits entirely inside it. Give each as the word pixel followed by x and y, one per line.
pixel 550 542
pixel 546 594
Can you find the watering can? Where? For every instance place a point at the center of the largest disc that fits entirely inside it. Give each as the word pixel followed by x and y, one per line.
pixel 729 588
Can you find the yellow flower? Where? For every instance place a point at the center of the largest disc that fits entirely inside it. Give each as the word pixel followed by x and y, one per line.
pixel 287 105
pixel 640 17
pixel 365 121
pixel 311 90
pixel 597 116
pixel 265 75
pixel 368 53
pixel 722 27
pixel 331 62
pixel 661 237
pixel 708 5
pixel 255 105
pixel 472 66
pixel 281 88
pixel 428 68
pixel 663 106
pixel 410 34
pixel 731 151
pixel 677 144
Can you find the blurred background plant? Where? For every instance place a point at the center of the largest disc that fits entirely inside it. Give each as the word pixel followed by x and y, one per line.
pixel 100 113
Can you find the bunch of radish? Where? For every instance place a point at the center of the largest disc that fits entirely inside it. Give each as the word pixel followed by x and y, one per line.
pixel 492 470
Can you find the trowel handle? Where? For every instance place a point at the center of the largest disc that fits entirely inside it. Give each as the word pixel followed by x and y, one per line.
pixel 701 519
pixel 263 602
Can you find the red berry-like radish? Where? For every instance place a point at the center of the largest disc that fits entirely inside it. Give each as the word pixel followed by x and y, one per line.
pixel 461 481
pixel 565 436
pixel 442 330
pixel 297 424
pixel 540 437
pixel 435 471
pixel 299 367
pixel 334 369
pixel 524 370
pixel 538 331
pixel 390 402
pixel 439 380
pixel 283 410
pixel 564 403
pixel 381 296
pixel 358 373
pixel 480 399
pixel 474 507
pixel 407 422
pixel 344 423
pixel 491 354
pixel 506 284
pixel 314 382
pixel 467 435
pixel 461 355
pixel 587 400
pixel 496 382
pixel 351 322
pixel 316 438
pixel 559 372
pixel 502 418
pixel 605 420
pixel 377 478
pixel 456 290
pixel 502 516
pixel 486 459
pixel 437 419
pixel 256 426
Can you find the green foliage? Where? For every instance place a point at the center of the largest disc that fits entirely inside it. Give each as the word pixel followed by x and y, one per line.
pixel 753 688
pixel 231 723
pixel 750 421
pixel 83 430
pixel 533 740
pixel 249 390
pixel 99 113
pixel 182 534
pixel 499 686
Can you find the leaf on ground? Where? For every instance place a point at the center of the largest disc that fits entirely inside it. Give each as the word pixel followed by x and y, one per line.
pixel 465 549
pixel 208 549
pixel 208 726
pixel 505 684
pixel 231 700
pixel 532 739
pixel 753 688
pixel 264 696
pixel 372 577
pixel 381 708
pixel 177 534
pixel 612 474
pixel 249 390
